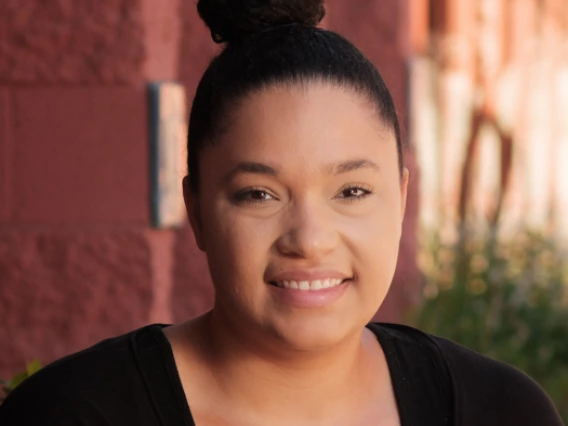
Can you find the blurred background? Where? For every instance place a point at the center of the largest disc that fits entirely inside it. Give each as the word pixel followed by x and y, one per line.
pixel 481 87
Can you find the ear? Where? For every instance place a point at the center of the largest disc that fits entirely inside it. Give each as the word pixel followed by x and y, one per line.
pixel 193 212
pixel 404 191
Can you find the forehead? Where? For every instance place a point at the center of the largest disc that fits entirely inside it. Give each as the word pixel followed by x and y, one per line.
pixel 316 122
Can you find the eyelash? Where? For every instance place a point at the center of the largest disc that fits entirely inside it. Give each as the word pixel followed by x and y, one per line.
pixel 366 192
pixel 242 196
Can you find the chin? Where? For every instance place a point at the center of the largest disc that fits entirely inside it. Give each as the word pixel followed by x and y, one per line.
pixel 316 334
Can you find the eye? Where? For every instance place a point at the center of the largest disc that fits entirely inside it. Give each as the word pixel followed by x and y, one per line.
pixel 254 196
pixel 354 192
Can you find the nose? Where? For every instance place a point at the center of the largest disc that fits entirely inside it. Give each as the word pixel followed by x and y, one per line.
pixel 309 232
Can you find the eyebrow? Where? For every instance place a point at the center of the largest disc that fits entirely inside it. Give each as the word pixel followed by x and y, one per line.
pixel 264 169
pixel 350 165
pixel 250 167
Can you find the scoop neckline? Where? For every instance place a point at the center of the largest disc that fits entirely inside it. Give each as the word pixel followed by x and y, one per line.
pixel 385 341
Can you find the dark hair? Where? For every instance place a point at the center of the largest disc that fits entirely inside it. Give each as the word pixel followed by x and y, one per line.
pixel 272 42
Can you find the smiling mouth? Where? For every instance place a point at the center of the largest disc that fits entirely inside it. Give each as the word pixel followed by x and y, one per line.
pixel 314 285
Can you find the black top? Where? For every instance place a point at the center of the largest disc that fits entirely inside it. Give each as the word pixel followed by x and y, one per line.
pixel 132 380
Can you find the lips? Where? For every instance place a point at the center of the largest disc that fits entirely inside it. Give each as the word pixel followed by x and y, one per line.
pixel 314 285
pixel 308 280
pixel 309 289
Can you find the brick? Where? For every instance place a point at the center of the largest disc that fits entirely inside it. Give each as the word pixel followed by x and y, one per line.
pixel 5 156
pixel 91 41
pixel 162 37
pixel 61 292
pixel 160 244
pixel 192 288
pixel 80 156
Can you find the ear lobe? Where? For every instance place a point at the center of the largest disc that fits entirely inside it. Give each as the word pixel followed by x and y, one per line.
pixel 404 180
pixel 193 212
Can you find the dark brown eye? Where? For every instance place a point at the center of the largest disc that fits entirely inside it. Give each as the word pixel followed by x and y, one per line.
pixel 354 192
pixel 253 196
pixel 259 195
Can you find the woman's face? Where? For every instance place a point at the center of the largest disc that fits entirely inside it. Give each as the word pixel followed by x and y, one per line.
pixel 299 212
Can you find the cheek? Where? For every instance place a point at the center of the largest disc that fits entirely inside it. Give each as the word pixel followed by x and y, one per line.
pixel 374 242
pixel 237 247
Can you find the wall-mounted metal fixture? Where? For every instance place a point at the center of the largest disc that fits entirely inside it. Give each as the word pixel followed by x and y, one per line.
pixel 168 131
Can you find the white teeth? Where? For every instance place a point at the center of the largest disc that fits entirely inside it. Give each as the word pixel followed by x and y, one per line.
pixel 315 285
pixel 310 285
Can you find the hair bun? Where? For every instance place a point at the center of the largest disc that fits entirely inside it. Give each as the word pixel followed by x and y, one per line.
pixel 230 20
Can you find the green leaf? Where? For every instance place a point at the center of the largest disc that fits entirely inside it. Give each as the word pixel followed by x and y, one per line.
pixel 506 298
pixel 33 367
pixel 17 380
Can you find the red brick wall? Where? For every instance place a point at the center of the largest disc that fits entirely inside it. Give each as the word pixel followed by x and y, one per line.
pixel 78 260
pixel 96 42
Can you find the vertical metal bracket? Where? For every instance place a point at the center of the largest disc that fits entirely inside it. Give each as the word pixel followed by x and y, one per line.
pixel 168 132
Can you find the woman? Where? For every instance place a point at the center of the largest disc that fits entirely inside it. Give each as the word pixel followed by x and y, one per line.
pixel 296 192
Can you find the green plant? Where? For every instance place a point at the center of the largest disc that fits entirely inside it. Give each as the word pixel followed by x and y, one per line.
pixel 9 385
pixel 506 299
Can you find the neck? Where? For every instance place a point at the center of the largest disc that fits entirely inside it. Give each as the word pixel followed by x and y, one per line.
pixel 271 376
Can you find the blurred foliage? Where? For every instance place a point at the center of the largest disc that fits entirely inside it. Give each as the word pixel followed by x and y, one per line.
pixel 507 300
pixel 8 386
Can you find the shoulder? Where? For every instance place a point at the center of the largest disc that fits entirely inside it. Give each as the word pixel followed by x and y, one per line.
pixel 485 391
pixel 84 387
pixel 484 387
